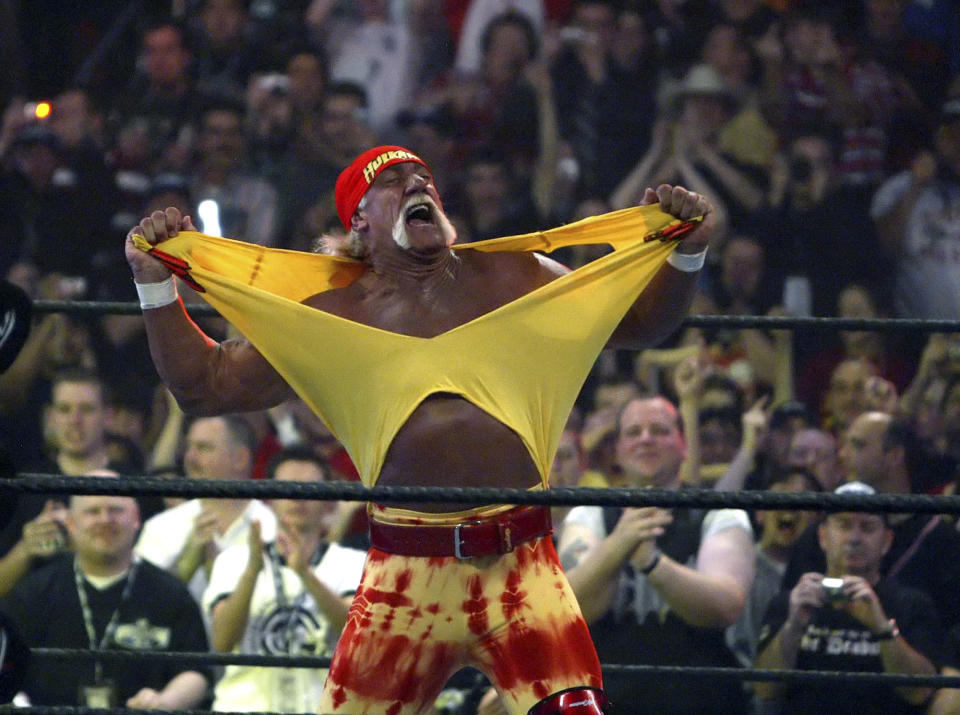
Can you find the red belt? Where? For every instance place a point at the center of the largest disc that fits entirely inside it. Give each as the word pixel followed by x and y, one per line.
pixel 481 537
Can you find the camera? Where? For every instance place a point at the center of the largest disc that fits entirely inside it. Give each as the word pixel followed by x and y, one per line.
pixel 833 590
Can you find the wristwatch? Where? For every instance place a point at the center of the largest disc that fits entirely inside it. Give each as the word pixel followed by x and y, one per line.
pixel 889 632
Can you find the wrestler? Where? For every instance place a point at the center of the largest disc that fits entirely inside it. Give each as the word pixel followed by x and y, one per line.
pixel 422 367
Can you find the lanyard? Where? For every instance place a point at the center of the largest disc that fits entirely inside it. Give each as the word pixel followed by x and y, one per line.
pixel 88 615
pixel 282 601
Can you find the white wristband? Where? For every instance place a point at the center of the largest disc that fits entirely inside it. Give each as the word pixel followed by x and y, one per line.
pixel 687 262
pixel 157 295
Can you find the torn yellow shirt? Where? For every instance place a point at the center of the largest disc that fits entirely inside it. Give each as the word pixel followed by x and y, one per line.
pixel 523 363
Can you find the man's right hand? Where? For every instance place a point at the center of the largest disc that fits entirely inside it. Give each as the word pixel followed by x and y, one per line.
pixel 155 228
pixel 45 535
pixel 640 528
pixel 806 597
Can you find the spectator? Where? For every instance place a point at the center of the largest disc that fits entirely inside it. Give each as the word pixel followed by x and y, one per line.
pixel 322 146
pixel 476 23
pixel 915 214
pixel 846 397
pixel 807 205
pixel 226 49
pixel 497 106
pixel 247 204
pixel 740 288
pixel 495 205
pixel 75 425
pixel 779 531
pixel 270 125
pixel 816 450
pixel 379 54
pixel 658 587
pixel 849 617
pixel 855 301
pixel 46 223
pixel 163 94
pixel 686 147
pixel 286 597
pixel 603 109
pixel 925 552
pixel 105 598
pixel 186 539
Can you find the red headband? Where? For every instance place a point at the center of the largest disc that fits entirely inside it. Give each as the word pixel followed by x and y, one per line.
pixel 354 181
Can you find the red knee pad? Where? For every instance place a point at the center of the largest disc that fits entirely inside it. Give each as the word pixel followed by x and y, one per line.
pixel 575 701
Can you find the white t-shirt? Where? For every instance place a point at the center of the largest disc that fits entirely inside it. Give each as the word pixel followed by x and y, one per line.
pixel 165 535
pixel 296 628
pixel 928 265
pixel 646 598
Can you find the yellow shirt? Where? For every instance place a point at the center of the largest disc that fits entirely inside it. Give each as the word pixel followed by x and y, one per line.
pixel 523 363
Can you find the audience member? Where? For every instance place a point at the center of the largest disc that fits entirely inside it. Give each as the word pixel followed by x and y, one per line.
pixel 106 598
pixel 855 301
pixel 75 426
pixel 655 586
pixel 162 94
pixel 186 539
pixel 283 597
pixel 848 616
pixel 226 49
pixel 379 54
pixel 779 531
pixel 816 450
pixel 247 205
pixel 604 110
pixel 846 395
pixel 882 451
pixel 739 287
pixel 47 223
pixel 915 214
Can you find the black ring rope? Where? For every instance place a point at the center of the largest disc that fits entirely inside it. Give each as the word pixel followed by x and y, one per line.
pixel 313 661
pixel 768 322
pixel 352 491
pixel 555 496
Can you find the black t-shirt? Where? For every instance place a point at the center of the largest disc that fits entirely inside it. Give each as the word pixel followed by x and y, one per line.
pixel 835 640
pixel 925 554
pixel 159 615
pixel 663 638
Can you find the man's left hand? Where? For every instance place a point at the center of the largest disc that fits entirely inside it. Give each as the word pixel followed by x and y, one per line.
pixel 683 204
pixel 864 604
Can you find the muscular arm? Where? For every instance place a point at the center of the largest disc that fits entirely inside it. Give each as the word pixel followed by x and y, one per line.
pixel 204 376
pixel 666 300
pixel 712 595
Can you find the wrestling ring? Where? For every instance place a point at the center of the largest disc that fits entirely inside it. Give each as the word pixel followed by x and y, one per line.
pixel 25 483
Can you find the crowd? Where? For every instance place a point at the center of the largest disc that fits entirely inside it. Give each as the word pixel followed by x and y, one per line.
pixel 827 136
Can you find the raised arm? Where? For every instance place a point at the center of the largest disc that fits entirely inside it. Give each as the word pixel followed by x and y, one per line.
pixel 206 377
pixel 666 300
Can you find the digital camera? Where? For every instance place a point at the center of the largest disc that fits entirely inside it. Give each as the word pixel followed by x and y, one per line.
pixel 833 590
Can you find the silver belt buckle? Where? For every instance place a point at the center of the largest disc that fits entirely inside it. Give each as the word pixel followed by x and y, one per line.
pixel 458 542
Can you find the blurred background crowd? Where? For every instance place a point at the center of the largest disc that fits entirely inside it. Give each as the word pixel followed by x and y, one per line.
pixel 827 135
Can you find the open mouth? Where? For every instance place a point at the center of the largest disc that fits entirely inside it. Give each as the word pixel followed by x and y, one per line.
pixel 419 214
pixel 787 522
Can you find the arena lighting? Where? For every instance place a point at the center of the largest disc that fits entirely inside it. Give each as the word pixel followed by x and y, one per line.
pixel 209 213
pixel 42 110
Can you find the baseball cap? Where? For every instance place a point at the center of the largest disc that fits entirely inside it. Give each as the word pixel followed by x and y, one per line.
pixel 15 316
pixel 861 488
pixel 354 181
pixel 855 488
pixel 786 411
